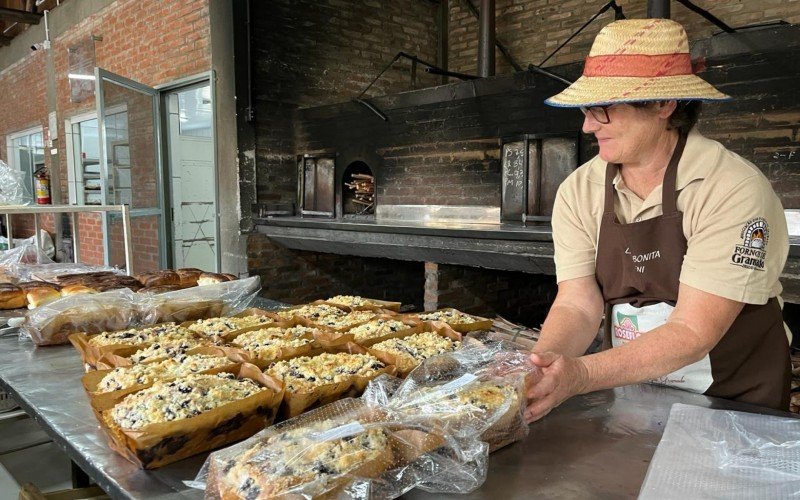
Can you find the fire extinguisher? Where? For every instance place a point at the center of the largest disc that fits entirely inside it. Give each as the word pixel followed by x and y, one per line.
pixel 41 183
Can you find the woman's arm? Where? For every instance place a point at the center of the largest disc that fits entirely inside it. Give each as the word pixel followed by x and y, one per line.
pixel 573 319
pixel 698 322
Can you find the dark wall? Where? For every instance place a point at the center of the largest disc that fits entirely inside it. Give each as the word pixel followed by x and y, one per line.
pixel 309 53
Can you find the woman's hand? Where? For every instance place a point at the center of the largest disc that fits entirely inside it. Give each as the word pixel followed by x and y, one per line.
pixel 560 378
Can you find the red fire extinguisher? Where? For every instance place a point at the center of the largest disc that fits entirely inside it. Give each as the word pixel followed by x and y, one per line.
pixel 41 183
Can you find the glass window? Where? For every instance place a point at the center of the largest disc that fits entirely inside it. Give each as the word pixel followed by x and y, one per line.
pixel 195 112
pixel 27 155
pixel 86 149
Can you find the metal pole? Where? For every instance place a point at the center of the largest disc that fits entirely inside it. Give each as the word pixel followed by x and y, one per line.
pixel 76 246
pixel 126 235
pixel 658 9
pixel 486 39
pixel 9 232
pixel 36 238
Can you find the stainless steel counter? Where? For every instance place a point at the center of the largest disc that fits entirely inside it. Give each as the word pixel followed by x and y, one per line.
pixel 593 446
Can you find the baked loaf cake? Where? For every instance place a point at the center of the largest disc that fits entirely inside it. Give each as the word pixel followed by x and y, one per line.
pixel 158 278
pixel 221 326
pixel 133 336
pixel 451 317
pixel 188 275
pixel 313 312
pixel 350 301
pixel 147 373
pixel 305 373
pixel 160 350
pixel 408 352
pixel 349 319
pixel 212 278
pixel 303 459
pixel 180 399
pixel 267 343
pixel 377 328
pixel 37 297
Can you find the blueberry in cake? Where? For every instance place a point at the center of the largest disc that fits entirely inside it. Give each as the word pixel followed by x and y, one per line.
pixel 411 351
pixel 268 343
pixel 350 301
pixel 312 312
pixel 305 373
pixel 159 350
pixel 220 326
pixel 451 317
pixel 134 336
pixel 377 328
pixel 304 460
pixel 147 373
pixel 180 399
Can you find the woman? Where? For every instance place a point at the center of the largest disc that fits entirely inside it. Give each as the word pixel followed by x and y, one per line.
pixel 689 283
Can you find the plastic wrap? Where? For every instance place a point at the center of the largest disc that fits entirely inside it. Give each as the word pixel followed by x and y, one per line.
pixel 724 454
pixel 220 299
pixel 347 449
pixel 89 313
pixel 478 390
pixel 13 187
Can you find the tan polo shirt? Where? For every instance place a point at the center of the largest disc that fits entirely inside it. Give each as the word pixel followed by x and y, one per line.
pixel 732 219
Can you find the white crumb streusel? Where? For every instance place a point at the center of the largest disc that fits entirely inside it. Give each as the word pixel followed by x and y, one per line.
pixel 183 398
pixel 312 312
pixel 221 326
pixel 348 319
pixel 268 342
pixel 160 350
pixel 145 335
pixel 350 300
pixel 377 328
pixel 414 349
pixel 146 373
pixel 452 317
pixel 308 372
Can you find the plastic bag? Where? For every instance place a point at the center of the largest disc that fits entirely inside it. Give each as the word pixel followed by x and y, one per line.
pixel 478 390
pixel 708 453
pixel 13 187
pixel 90 313
pixel 15 263
pixel 200 302
pixel 345 449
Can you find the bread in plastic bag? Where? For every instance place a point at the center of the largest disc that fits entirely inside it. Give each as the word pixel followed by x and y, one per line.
pixel 52 323
pixel 477 390
pixel 158 443
pixel 194 303
pixel 344 450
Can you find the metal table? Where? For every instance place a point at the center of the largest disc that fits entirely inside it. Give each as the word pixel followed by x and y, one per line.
pixel 593 446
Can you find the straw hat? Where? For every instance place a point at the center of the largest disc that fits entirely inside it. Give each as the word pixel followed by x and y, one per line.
pixel 637 60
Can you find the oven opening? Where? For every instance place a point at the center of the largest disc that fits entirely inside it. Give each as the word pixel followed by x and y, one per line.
pixel 358 190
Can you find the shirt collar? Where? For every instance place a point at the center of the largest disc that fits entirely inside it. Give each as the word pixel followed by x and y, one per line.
pixel 696 162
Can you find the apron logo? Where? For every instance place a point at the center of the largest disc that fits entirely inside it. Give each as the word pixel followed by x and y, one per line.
pixel 627 327
pixel 642 257
pixel 752 253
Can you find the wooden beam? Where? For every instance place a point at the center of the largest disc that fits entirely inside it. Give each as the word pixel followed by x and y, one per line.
pixel 19 16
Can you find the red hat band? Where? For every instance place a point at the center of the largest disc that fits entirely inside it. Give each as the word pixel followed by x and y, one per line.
pixel 638 65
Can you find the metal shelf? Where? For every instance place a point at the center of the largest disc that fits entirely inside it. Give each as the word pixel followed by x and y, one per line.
pixel 36 210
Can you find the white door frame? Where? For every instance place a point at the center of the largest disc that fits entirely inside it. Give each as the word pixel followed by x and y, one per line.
pixel 164 90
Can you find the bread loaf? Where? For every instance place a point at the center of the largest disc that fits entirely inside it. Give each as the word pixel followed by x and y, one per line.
pixel 11 296
pixel 37 297
pixel 211 279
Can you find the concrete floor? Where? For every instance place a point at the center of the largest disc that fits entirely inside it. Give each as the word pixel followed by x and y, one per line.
pixel 27 455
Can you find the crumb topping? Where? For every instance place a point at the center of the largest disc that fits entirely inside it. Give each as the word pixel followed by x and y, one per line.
pixel 377 328
pixel 146 373
pixel 305 373
pixel 145 335
pixel 452 317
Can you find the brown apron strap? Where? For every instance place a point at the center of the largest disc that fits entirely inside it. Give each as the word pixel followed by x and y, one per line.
pixel 608 203
pixel 669 197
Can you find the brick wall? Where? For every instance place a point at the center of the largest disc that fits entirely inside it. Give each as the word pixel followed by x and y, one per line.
pixel 531 29
pixel 295 276
pixel 149 41
pixel 519 297
pixel 309 53
pixel 449 173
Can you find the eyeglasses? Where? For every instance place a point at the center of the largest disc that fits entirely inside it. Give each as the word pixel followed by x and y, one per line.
pixel 599 113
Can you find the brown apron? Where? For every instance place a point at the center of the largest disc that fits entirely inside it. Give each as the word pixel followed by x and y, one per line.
pixel 638 266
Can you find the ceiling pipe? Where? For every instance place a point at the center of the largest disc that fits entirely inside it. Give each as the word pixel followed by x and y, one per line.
pixel 486 39
pixel 658 9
